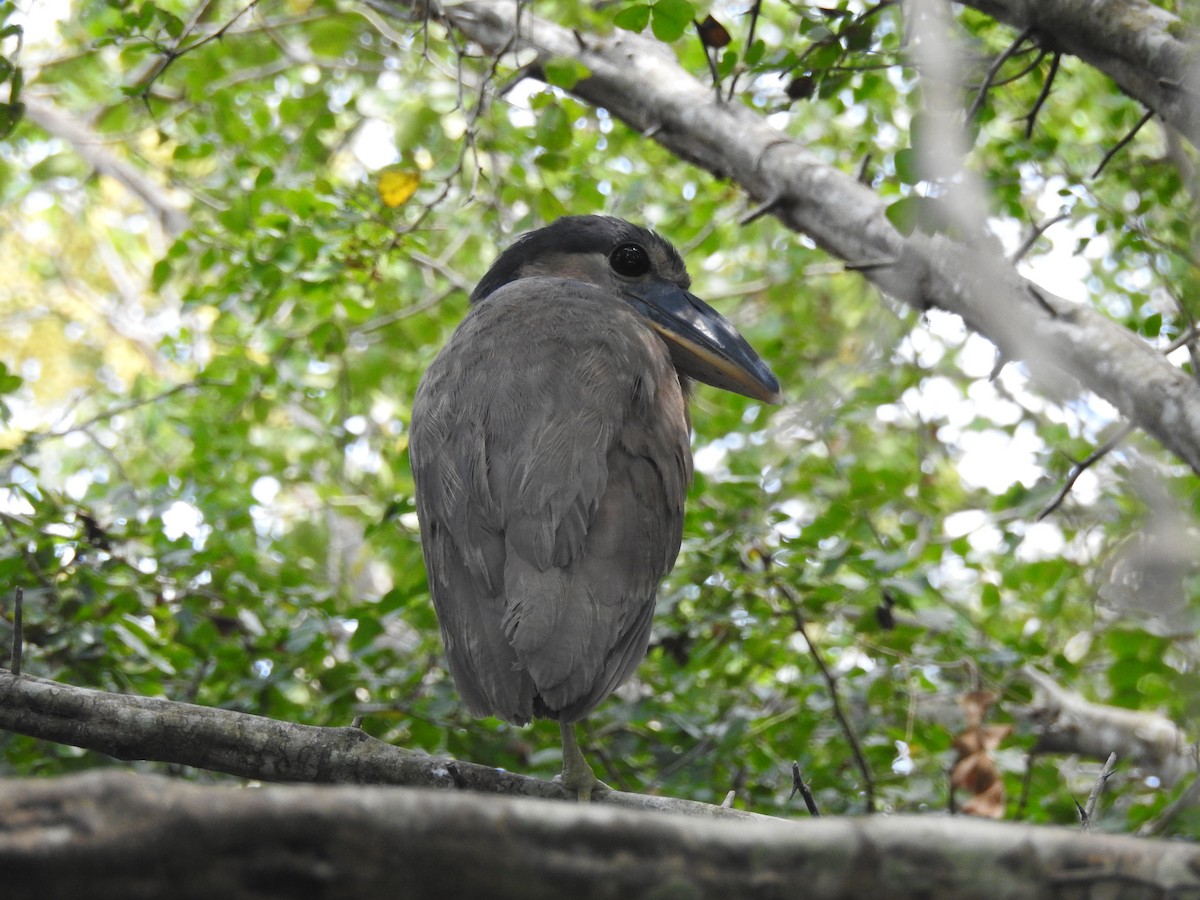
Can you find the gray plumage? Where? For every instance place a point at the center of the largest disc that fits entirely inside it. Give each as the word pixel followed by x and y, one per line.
pixel 550 451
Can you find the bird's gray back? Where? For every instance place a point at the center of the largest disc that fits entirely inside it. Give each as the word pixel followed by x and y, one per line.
pixel 550 450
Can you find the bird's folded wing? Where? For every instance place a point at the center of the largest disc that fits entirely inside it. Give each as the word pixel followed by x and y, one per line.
pixel 550 441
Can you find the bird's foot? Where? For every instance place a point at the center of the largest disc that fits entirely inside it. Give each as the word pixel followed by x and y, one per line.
pixel 583 783
pixel 577 775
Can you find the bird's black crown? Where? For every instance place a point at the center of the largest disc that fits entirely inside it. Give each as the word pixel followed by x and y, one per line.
pixel 568 235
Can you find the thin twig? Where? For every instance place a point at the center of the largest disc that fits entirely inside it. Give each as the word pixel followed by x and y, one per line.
pixel 864 170
pixel 120 408
pixel 1031 118
pixel 1024 70
pixel 1087 813
pixel 762 209
pixel 1080 467
pixel 380 24
pixel 197 680
pixel 1189 332
pixel 697 751
pixel 998 365
pixel 173 53
pixel 994 69
pixel 1026 782
pixel 612 774
pixel 1184 339
pixel 755 10
pixel 1036 293
pixel 839 711
pixel 1187 339
pixel 799 787
pixel 1123 141
pixel 868 265
pixel 709 55
pixel 18 638
pixel 381 322
pixel 1038 230
pixel 1187 799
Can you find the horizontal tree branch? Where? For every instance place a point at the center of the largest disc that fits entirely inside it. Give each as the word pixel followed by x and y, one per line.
pixel 248 746
pixel 1067 723
pixel 638 80
pixel 119 835
pixel 1142 47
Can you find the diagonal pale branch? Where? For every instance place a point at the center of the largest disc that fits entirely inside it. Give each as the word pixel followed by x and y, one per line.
pixel 1142 47
pixel 220 740
pixel 96 153
pixel 639 81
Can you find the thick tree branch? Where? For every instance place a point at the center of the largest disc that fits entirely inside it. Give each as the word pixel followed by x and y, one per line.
pixel 1067 723
pixel 639 81
pixel 147 728
pixel 118 835
pixel 1142 47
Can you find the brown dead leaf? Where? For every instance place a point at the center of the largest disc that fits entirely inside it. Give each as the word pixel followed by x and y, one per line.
pixel 713 33
pixel 974 770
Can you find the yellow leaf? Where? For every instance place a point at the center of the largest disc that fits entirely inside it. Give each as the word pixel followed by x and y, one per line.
pixel 397 185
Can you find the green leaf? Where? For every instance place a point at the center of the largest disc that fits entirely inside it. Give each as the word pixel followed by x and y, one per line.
pixel 171 23
pixel 565 72
pixel 328 339
pixel 9 381
pixel 10 116
pixel 906 166
pixel 552 162
pixel 904 214
pixel 633 18
pixel 858 37
pixel 823 56
pixel 728 62
pixel 554 128
pixel 142 18
pixel 159 274
pixel 669 19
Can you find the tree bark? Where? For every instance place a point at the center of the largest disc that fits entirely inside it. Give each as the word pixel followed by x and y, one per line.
pixel 639 81
pixel 1142 47
pixel 1067 723
pixel 124 836
pixel 248 746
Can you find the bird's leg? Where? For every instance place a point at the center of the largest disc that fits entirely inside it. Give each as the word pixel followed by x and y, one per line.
pixel 577 774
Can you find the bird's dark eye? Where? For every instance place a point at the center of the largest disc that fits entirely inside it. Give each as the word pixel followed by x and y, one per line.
pixel 630 260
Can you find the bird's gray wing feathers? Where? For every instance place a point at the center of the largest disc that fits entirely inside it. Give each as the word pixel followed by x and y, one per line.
pixel 463 547
pixel 551 436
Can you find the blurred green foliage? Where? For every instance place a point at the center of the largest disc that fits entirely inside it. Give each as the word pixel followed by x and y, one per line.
pixel 217 506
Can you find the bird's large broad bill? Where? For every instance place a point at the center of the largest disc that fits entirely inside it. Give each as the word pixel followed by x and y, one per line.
pixel 703 342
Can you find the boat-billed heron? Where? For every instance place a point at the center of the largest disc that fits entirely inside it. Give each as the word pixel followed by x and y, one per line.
pixel 550 450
